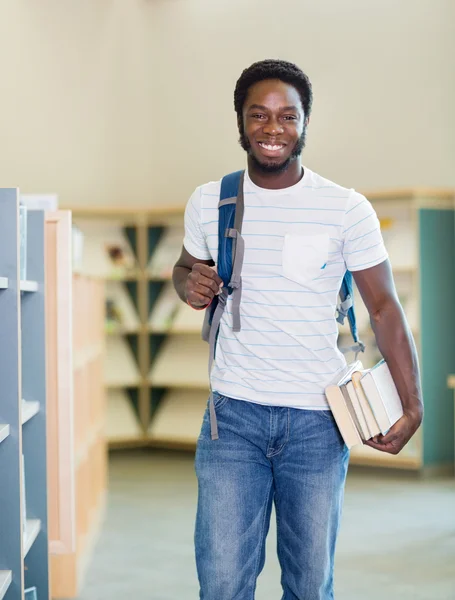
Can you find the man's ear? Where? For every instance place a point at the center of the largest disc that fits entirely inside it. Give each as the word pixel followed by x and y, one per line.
pixel 307 120
pixel 240 123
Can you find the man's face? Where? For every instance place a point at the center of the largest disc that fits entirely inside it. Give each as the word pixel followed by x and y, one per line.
pixel 274 125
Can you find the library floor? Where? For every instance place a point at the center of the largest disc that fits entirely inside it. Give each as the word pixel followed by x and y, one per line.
pixel 397 539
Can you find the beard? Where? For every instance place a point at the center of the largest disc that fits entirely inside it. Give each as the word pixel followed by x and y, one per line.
pixel 269 167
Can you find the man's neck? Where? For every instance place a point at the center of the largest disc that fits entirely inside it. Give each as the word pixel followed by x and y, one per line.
pixel 276 181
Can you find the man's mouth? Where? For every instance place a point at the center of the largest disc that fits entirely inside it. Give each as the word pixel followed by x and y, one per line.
pixel 271 147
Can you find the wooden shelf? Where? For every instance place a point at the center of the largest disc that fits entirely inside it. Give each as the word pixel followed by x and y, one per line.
pixel 123 331
pixel 32 529
pixel 182 362
pixel 29 286
pixel 5 581
pixel 4 286
pixel 178 418
pixel 4 432
pixel 366 456
pixel 29 410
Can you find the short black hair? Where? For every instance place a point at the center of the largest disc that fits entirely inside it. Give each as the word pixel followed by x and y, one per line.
pixel 273 69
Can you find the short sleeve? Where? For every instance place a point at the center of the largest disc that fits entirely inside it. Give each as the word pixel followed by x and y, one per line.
pixel 363 244
pixel 195 241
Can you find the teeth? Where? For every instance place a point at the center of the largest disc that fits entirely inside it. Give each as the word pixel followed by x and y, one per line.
pixel 270 147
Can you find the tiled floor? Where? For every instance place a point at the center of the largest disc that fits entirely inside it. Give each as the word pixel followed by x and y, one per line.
pixel 397 540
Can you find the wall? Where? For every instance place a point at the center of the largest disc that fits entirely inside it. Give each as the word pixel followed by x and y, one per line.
pixel 130 101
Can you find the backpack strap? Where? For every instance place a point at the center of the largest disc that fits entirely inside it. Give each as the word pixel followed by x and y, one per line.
pixel 346 309
pixel 231 250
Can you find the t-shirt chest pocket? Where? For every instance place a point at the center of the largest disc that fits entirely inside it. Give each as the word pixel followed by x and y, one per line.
pixel 304 257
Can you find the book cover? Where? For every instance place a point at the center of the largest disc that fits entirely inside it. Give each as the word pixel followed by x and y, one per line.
pixel 372 424
pixel 382 396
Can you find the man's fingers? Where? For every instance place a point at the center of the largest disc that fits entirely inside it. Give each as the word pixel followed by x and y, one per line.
pixel 209 283
pixel 197 299
pixel 209 272
pixel 388 448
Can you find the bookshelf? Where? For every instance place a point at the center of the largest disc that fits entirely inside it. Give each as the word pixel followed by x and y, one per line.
pixel 171 358
pixel 24 560
pixel 419 232
pixel 78 454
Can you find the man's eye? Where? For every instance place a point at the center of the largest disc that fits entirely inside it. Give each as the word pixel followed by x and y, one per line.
pixel 290 118
pixel 258 116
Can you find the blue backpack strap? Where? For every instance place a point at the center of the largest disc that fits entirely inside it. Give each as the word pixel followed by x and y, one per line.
pixel 226 221
pixel 346 309
pixel 229 265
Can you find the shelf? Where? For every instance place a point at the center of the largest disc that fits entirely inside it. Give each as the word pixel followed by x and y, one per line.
pixel 369 457
pixel 5 581
pixel 4 433
pixel 29 410
pixel 32 529
pixel 3 286
pixel 121 369
pixel 182 362
pixel 29 286
pixel 122 421
pixel 123 330
pixel 178 418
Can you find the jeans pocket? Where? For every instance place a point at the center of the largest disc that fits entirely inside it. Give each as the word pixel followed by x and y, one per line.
pixel 219 400
pixel 326 414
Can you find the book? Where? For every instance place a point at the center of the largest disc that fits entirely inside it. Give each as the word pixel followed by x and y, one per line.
pixel 371 423
pixel 364 403
pixel 382 396
pixel 340 411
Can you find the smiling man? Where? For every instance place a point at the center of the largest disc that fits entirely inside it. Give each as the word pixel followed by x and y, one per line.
pixel 278 442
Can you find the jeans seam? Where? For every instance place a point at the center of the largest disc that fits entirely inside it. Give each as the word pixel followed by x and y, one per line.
pixel 256 574
pixel 280 449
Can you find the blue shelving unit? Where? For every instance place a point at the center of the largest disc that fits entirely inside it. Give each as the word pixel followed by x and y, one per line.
pixel 24 558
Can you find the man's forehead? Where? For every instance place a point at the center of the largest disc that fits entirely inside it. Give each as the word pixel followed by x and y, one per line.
pixel 275 92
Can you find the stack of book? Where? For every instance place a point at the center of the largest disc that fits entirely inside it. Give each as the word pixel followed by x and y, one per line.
pixel 364 402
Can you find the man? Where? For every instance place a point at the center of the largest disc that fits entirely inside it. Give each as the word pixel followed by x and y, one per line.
pixel 278 442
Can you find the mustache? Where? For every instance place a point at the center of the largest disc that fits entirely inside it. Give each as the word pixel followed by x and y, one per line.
pixel 273 167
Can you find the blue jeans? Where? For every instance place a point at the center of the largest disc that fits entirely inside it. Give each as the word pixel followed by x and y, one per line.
pixel 294 458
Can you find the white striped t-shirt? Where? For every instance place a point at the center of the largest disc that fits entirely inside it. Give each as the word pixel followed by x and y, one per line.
pixel 298 243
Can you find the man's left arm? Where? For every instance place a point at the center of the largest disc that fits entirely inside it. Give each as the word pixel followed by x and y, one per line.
pixel 396 344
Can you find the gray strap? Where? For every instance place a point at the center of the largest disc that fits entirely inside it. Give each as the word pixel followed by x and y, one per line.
pixel 343 308
pixel 222 300
pixel 236 277
pixel 356 348
pixel 240 205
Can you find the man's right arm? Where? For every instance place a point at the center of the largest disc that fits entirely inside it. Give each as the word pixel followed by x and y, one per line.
pixel 196 281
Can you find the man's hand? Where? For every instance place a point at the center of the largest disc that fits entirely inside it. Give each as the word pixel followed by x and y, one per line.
pixel 202 284
pixel 398 436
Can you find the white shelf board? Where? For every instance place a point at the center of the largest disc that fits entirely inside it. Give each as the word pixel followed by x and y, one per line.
pixel 3 286
pixel 29 286
pixel 4 433
pixel 5 581
pixel 29 410
pixel 32 529
pixel 181 362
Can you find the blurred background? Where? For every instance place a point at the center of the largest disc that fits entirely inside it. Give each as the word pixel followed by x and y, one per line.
pixel 116 110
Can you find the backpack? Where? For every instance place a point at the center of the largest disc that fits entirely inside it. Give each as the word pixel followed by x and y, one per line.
pixel 231 250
